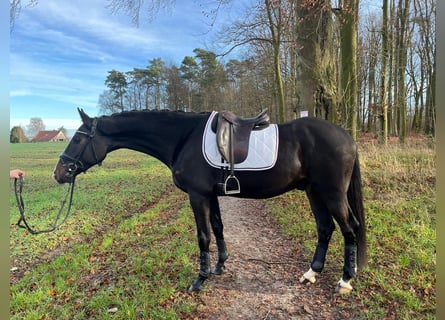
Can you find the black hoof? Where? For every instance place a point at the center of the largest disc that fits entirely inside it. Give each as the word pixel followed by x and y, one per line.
pixel 218 269
pixel 197 285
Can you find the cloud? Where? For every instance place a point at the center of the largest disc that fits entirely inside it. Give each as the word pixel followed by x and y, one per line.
pixel 19 93
pixel 63 82
pixel 65 23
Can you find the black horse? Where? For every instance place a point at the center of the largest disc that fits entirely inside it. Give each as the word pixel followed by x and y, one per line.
pixel 314 155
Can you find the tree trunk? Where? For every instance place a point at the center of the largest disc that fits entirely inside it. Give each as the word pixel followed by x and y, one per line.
pixel 402 62
pixel 349 65
pixel 383 113
pixel 275 29
pixel 317 80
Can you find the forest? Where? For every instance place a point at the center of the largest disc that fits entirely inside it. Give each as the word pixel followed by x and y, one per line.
pixel 371 70
pixel 367 66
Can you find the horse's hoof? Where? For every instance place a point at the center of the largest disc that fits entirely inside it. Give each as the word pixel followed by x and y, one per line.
pixel 308 277
pixel 218 269
pixel 343 287
pixel 303 280
pixel 197 285
pixel 195 288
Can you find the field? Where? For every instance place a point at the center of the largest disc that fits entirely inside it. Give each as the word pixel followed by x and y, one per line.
pixel 129 251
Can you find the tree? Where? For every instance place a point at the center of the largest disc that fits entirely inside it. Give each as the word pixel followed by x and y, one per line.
pixel 424 53
pixel 401 67
pixel 117 83
pixel 316 58
pixel 189 72
pixel 17 135
pixel 107 103
pixel 135 89
pixel 275 16
pixel 176 90
pixel 35 125
pixel 155 76
pixel 245 95
pixel 383 124
pixel 211 80
pixel 143 82
pixel 348 31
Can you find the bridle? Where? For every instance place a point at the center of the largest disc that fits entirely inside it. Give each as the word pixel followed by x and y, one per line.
pixel 72 163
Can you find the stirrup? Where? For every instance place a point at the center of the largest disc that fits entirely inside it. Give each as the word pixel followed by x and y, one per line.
pixel 234 181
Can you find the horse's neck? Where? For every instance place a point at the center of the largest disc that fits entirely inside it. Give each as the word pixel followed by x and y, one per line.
pixel 156 134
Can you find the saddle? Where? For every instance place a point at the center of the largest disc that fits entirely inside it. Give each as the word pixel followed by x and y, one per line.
pixel 233 134
pixel 232 137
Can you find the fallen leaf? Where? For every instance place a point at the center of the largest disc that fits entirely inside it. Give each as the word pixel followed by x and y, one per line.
pixel 307 309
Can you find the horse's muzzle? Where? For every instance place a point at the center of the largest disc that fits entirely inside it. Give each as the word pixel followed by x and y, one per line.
pixel 64 173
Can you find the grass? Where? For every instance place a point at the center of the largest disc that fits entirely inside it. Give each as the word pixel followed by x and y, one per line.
pixel 399 196
pixel 129 251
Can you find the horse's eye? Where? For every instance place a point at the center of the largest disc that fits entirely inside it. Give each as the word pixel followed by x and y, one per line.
pixel 76 139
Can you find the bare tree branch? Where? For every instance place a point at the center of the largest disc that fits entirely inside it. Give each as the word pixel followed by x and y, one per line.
pixel 241 43
pixel 15 6
pixel 134 8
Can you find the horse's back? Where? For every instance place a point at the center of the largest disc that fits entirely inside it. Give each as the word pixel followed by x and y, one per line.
pixel 326 151
pixel 317 131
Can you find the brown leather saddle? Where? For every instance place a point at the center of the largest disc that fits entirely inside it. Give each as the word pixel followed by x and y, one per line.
pixel 233 133
pixel 232 137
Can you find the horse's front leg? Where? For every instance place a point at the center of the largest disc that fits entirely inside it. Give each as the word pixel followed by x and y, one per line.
pixel 218 228
pixel 201 209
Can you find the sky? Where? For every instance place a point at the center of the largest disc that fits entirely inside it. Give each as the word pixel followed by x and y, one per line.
pixel 61 52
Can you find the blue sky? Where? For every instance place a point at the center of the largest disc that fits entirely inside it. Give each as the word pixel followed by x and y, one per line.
pixel 61 51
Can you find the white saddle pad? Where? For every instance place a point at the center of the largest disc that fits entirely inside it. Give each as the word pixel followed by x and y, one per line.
pixel 263 148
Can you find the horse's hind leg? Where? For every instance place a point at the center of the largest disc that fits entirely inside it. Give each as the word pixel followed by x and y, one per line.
pixel 348 226
pixel 218 228
pixel 325 228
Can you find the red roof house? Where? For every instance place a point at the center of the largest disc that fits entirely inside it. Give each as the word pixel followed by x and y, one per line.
pixel 50 136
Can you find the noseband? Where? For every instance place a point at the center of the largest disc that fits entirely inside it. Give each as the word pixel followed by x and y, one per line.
pixel 72 164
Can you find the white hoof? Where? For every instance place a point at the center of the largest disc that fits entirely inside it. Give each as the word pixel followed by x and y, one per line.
pixel 343 287
pixel 308 277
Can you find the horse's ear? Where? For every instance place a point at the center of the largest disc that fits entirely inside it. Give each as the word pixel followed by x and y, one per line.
pixel 85 118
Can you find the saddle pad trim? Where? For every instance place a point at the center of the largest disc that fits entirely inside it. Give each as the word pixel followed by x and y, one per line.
pixel 263 149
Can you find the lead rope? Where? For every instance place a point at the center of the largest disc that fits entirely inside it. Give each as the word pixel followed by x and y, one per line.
pixel 22 223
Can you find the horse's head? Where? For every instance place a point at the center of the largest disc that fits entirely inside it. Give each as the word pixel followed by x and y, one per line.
pixel 86 149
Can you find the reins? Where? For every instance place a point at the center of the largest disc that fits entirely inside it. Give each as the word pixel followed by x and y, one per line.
pixel 22 223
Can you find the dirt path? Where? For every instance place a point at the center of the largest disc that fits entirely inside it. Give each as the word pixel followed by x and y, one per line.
pixel 262 272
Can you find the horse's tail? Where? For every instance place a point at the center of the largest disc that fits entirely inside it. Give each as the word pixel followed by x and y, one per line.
pixel 355 199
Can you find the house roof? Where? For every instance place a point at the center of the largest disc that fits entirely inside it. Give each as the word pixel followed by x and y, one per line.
pixel 45 136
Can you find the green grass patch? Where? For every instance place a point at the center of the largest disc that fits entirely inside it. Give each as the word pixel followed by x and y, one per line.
pixel 128 251
pixel 400 202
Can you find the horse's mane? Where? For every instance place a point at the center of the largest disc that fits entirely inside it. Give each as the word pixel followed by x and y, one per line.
pixel 153 111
